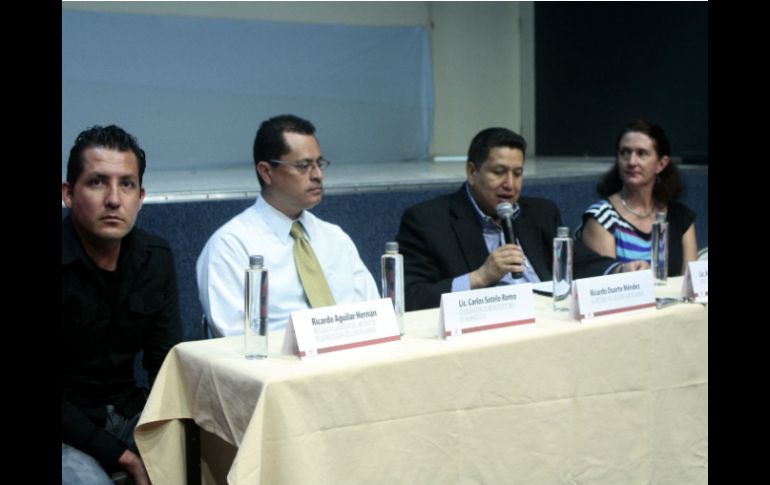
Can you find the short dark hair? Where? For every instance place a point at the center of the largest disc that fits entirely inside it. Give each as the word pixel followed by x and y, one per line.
pixel 270 144
pixel 112 137
pixel 491 138
pixel 669 186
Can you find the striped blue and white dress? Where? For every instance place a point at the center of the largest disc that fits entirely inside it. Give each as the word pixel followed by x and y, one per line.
pixel 631 244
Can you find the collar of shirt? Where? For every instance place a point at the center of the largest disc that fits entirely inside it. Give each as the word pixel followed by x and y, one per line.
pixel 72 249
pixel 487 223
pixel 280 223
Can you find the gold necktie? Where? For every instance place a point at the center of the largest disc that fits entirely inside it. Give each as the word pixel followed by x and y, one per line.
pixel 310 273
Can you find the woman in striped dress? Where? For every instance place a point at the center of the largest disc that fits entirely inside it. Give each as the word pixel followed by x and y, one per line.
pixel 641 183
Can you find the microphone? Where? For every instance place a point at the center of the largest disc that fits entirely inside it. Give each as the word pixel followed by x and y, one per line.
pixel 507 214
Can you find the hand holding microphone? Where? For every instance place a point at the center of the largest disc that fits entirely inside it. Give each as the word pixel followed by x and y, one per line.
pixel 507 214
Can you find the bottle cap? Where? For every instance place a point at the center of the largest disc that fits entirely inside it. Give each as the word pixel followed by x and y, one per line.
pixel 391 247
pixel 562 231
pixel 660 217
pixel 255 261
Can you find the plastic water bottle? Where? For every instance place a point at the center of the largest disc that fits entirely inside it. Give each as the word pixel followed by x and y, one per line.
pixel 659 249
pixel 562 269
pixel 393 280
pixel 255 310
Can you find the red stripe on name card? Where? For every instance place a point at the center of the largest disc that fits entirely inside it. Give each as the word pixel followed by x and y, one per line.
pixel 621 310
pixel 353 345
pixel 492 326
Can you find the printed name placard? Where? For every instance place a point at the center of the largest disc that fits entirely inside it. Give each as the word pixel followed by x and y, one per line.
pixel 330 329
pixel 696 281
pixel 612 294
pixel 485 309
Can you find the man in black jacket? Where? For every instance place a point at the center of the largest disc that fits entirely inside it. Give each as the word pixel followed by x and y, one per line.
pixel 119 296
pixel 455 243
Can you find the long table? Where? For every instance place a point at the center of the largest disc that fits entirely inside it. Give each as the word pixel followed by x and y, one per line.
pixel 622 399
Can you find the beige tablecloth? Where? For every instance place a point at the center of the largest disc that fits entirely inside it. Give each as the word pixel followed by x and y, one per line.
pixel 619 400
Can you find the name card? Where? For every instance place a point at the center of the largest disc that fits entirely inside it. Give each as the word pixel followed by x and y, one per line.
pixel 612 294
pixel 485 309
pixel 696 281
pixel 330 329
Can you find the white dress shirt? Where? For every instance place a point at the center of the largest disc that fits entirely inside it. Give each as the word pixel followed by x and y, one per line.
pixel 262 229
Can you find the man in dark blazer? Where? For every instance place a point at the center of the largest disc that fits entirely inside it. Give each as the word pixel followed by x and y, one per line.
pixel 455 243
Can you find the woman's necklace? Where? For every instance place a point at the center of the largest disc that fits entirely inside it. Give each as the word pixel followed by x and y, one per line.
pixel 641 216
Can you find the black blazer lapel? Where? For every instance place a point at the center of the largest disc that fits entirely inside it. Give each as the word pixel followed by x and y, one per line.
pixel 467 229
pixel 526 231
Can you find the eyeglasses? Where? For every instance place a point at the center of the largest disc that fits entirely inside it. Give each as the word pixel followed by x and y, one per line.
pixel 304 165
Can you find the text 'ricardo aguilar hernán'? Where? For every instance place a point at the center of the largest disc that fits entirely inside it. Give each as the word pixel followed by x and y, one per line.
pixel 343 318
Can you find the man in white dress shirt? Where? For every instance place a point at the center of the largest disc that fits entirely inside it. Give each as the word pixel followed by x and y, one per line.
pixel 289 168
